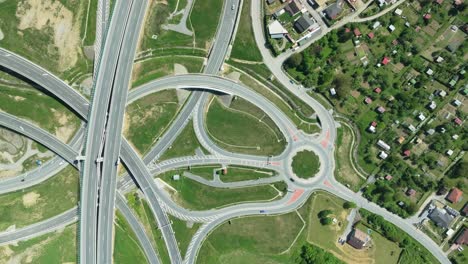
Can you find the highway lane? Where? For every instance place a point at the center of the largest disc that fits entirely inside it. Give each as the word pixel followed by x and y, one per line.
pixel 137 228
pixel 40 228
pixel 45 79
pixel 96 132
pixel 43 172
pixel 138 170
pixel 113 136
pixel 39 135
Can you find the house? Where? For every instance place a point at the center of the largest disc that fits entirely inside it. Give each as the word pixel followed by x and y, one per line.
pixel 439 2
pixel 356 32
pixel 400 140
pixel 441 218
pixel 462 239
pixel 371 35
pixel 464 211
pixel 398 12
pixel 388 177
pixel 449 152
pixel 371 129
pixel 383 155
pixel 451 211
pixel 391 28
pixel 412 128
pixel 430 131
pixel 456 103
pixel 455 195
pixel 407 153
pixel 176 177
pixel 376 25
pixel 332 92
pixel 276 30
pixel 442 93
pixel 293 8
pixel 334 10
pixel 427 16
pixel 429 72
pixel 380 109
pixel 303 23
pixel 377 90
pixel 374 124
pixel 439 59
pixel 368 100
pixel 383 145
pixel 421 117
pixel 455 137
pixel 411 192
pixel 458 121
pixel 270 1
pixel 432 105
pixel 358 239
pixel 385 60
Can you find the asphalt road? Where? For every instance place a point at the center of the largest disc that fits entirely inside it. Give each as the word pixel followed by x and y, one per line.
pixel 91 171
pixel 114 131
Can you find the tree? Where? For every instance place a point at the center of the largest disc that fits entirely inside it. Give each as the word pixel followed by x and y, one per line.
pixel 294 61
pixel 459 169
pixel 314 255
pixel 324 213
pixel 342 85
pixel 326 221
pixel 347 205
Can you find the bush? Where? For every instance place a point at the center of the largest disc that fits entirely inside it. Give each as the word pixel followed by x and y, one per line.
pixel 311 254
pixel 348 205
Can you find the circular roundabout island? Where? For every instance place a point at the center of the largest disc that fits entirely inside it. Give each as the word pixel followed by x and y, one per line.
pixel 305 164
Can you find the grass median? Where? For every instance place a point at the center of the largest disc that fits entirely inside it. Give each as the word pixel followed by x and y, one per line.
pixel 126 246
pixel 244 47
pixel 243 128
pixel 193 195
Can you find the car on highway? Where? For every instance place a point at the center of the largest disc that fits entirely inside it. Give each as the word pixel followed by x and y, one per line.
pixel 233 6
pixel 262 211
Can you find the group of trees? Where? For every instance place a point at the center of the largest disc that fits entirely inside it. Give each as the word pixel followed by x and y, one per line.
pixel 314 255
pixel 415 252
pixel 324 217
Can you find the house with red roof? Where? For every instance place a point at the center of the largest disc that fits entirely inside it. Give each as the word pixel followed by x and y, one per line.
pixel 374 124
pixel 368 100
pixel 455 195
pixel 439 1
pixel 411 192
pixel 427 16
pixel 357 33
pixel 381 109
pixel 385 60
pixel 389 177
pixel 462 239
pixel 371 35
pixel 458 121
pixel 378 90
pixel 407 153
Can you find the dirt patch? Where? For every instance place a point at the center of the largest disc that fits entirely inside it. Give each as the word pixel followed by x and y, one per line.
pixel 179 69
pixel 47 14
pixel 65 129
pixel 30 199
pixel 126 124
pixel 1 34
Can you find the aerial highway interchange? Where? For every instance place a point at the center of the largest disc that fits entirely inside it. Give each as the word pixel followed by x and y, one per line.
pixel 98 147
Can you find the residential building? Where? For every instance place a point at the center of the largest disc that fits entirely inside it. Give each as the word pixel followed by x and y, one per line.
pixel 303 23
pixel 411 192
pixel 398 12
pixel 383 145
pixel 455 195
pixel 332 92
pixel 462 239
pixel 383 155
pixel 449 152
pixel 441 218
pixel 293 8
pixel 376 25
pixel 432 105
pixel 391 28
pixel 464 210
pixel 270 1
pixel 334 10
pixel 358 239
pixel 276 30
pixel 380 109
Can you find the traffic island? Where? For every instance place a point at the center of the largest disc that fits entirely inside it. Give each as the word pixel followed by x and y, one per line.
pixel 305 164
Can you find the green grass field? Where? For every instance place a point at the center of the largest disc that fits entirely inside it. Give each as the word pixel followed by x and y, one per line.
pixel 43 201
pixel 184 145
pixel 55 247
pixel 240 173
pixel 241 131
pixel 259 239
pixel 244 47
pixel 204 18
pixel 154 68
pixel 126 247
pixel 148 117
pixel 40 42
pixel 196 196
pixel 345 172
pixel 305 164
pixel 40 108
pixel 90 23
pixel 183 233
